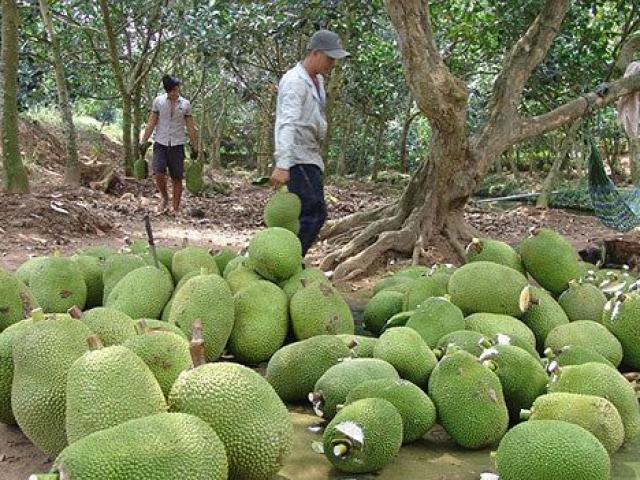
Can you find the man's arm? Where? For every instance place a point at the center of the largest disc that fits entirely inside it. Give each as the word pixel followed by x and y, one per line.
pixel 192 131
pixel 152 121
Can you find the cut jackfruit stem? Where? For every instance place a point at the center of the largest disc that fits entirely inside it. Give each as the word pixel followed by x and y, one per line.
pixel 94 342
pixel 549 353
pixel 75 312
pixel 37 315
pixel 438 352
pixel 490 365
pixel 341 449
pixel 525 299
pixel 196 347
pixel 525 414
pixel 141 326
pixel 44 476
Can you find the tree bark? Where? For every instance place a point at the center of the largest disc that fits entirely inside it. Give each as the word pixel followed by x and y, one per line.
pixel 634 160
pixel 404 136
pixel 138 120
pixel 16 180
pixel 375 169
pixel 344 145
pixel 362 151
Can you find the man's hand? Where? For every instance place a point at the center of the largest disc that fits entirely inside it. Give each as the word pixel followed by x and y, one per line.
pixel 279 177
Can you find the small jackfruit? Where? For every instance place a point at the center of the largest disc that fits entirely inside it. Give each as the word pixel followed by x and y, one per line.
pixel 16 300
pixel 488 250
pixel 583 301
pixel 276 254
pixel 319 309
pixel 381 308
pixel 58 285
pixel 435 318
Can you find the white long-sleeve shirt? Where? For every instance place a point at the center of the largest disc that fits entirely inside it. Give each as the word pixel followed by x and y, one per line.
pixel 300 119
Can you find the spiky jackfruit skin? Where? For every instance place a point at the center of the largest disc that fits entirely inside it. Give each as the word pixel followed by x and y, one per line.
pixel 7 337
pixel 588 334
pixel 115 269
pixel 276 254
pixel 336 383
pixel 294 369
pixel 140 169
pixel 583 301
pixel 42 356
pixel 102 252
pixel 381 427
pixel 206 298
pixel 154 325
pixel 435 318
pixel 466 340
pixel 107 387
pixel 235 263
pixel 413 271
pixel 261 322
pixel 223 257
pixel 420 290
pixel 308 276
pixel 469 400
pixel 58 285
pixel 16 300
pixel 522 377
pixel 405 349
pixel 165 256
pixel 577 355
pixel 621 318
pixel 245 412
pixel 543 315
pixel 414 406
pixel 361 346
pixel 550 259
pixel 148 283
pixel 488 288
pixel 490 324
pixel 602 381
pixel 595 414
pixel 392 281
pixel 319 309
pixel 25 270
pixel 398 320
pixel 241 278
pixel 381 308
pixel 111 325
pixel 283 210
pixel 91 269
pixel 193 178
pixel 488 250
pixel 191 259
pixel 549 450
pixel 156 447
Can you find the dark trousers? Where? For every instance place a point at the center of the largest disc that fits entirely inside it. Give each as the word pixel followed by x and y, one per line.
pixel 306 182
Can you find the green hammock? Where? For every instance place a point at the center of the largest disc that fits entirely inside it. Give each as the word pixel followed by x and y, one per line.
pixel 615 209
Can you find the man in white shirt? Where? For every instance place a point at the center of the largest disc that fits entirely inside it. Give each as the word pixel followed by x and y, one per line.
pixel 300 128
pixel 170 114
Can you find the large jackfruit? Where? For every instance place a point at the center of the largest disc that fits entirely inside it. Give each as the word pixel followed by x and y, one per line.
pixel 621 318
pixel 148 283
pixel 392 281
pixel 115 269
pixel 421 289
pixel 7 337
pixel 283 210
pixel 307 276
pixel 381 308
pixel 588 334
pixel 223 257
pixel 58 285
pixel 27 269
pixel 488 250
pixel 276 254
pixel 435 318
pixel 319 309
pixel 91 269
pixel 575 355
pixel 543 315
pixel 361 345
pixel 241 278
pixel 490 324
pixel 364 436
pixel 467 340
pixel 194 180
pixel 583 301
pixel 153 325
pixel 16 300
pixel 193 258
pixel 111 325
pixel 101 252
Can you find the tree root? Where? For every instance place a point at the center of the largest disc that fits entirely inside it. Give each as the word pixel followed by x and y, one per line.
pixel 337 227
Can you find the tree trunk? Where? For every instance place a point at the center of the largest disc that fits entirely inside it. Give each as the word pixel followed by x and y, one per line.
pixel 138 120
pixel 376 154
pixel 16 180
pixel 344 145
pixel 404 136
pixel 362 151
pixel 514 153
pixel 634 160
pixel 127 123
pixel 334 94
pixel 72 172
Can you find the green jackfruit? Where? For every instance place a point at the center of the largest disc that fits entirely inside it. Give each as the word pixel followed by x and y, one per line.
pixel 576 355
pixel 156 447
pixel 261 322
pixel 583 301
pixel 487 250
pixel 543 315
pixel 319 309
pixel 490 324
pixel 405 349
pixel 334 385
pixel 191 259
pixel 489 288
pixel 245 412
pixel 149 283
pixel 154 325
pixel 420 290
pixel 466 340
pixel 621 318
pixel 7 337
pixel 42 355
pixel 58 285
pixel 413 271
pixel 391 281
pixel 308 276
pixel 435 318
pixel 416 409
pixel 282 210
pixel 588 334
pixel 469 400
pixel 602 381
pixel 276 254
pixel 115 269
pixel 106 387
pixel 16 301
pixel 194 180
pixel 27 269
pixel 364 436
pixel 550 259
pixel 140 169
pixel 101 252
pixel 381 308
pixel 91 269
pixel 233 264
pixel 223 257
pixel 549 450
pixel 595 414
pixel 361 345
pixel 399 319
pixel 111 325
pixel 206 298
pixel 165 256
pixel 241 278
pixel 294 369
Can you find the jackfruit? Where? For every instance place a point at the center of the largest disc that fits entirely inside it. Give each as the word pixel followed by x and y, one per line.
pixel 308 276
pixel 140 169
pixel 7 337
pixel 194 180
pixel 261 322
pixel 111 325
pixel 621 318
pixel 583 301
pixel 276 254
pixel 490 324
pixel 391 281
pixel 149 283
pixel 154 325
pixel 469 400
pixel 319 309
pixel 361 345
pixel 115 269
pixel 334 385
pixel 106 387
pixel 26 270
pixel 595 414
pixel 381 308
pixel 550 259
pixel 102 252
pixel 487 250
pixel 435 318
pixel 245 412
pixel 206 298
pixel 413 271
pixel 294 369
pixel 16 300
pixel 58 285
pixel 575 355
pixel 420 290
pixel 550 450
pixel 191 259
pixel 416 409
pixel 486 287
pixel 398 320
pixel 91 269
pixel 405 349
pixel 42 355
pixel 233 264
pixel 165 256
pixel 543 315
pixel 588 334
pixel 156 447
pixel 467 340
pixel 283 210
pixel 364 436
pixel 223 257
pixel 602 381
pixel 241 278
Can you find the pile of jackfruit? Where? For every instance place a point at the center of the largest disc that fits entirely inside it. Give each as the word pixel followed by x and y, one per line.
pixel 128 364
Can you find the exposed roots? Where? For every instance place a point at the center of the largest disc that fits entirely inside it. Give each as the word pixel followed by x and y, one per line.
pixel 351 222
